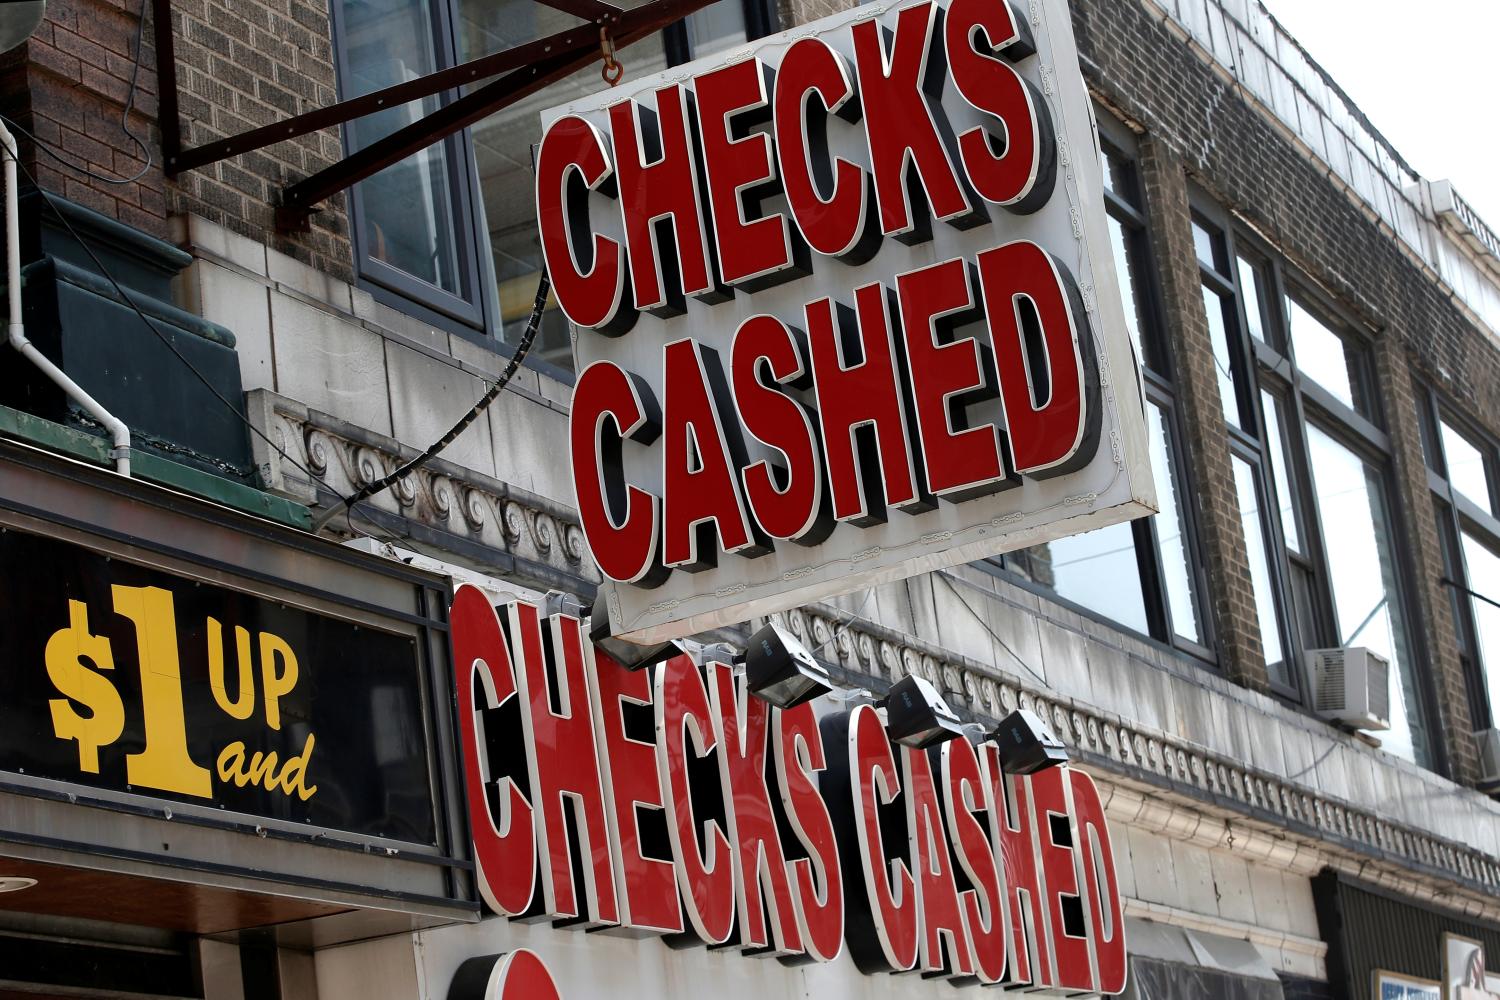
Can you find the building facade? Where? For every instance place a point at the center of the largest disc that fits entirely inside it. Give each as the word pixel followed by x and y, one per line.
pixel 1316 329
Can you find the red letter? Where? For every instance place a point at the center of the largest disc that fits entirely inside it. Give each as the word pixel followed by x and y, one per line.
pixel 986 917
pixel 820 889
pixel 666 187
pixel 840 224
pixel 1072 964
pixel 572 161
pixel 905 130
pixel 519 975
pixel 648 886
pixel 762 883
pixel 504 846
pixel 937 891
pixel 859 384
pixel 684 725
pixel 948 374
pixel 702 454
pixel 789 502
pixel 1028 949
pixel 619 520
pixel 1018 166
pixel 889 910
pixel 737 163
pixel 1049 381
pixel 564 768
pixel 1106 914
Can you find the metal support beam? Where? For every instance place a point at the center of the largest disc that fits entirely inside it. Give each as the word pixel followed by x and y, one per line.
pixel 298 201
pixel 527 68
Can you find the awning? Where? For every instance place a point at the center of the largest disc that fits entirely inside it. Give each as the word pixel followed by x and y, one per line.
pixel 1175 963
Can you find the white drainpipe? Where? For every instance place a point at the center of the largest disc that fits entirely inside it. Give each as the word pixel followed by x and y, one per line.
pixel 116 427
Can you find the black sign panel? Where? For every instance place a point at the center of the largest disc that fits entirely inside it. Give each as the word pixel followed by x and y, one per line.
pixel 132 679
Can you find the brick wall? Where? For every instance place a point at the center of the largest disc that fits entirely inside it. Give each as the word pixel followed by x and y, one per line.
pixel 239 65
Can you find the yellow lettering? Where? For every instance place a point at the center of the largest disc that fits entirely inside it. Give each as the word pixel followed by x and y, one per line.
pixel 262 770
pixel 292 776
pixel 276 684
pixel 231 759
pixel 243 705
pixel 65 653
pixel 165 763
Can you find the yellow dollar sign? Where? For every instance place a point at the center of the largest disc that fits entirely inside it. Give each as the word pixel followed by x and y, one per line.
pixel 66 651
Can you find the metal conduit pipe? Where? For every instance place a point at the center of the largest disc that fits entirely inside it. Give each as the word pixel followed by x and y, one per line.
pixel 17 336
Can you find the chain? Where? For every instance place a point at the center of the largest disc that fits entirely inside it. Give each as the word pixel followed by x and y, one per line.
pixel 612 71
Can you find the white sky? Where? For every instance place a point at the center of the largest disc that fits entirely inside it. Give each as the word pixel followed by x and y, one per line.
pixel 1426 74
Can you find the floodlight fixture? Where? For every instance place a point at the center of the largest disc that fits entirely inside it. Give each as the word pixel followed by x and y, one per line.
pixel 917 716
pixel 1027 744
pixel 18 20
pixel 779 669
pixel 632 656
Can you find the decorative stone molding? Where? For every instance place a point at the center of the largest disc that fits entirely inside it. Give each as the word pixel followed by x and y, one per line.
pixel 495 526
pixel 1161 783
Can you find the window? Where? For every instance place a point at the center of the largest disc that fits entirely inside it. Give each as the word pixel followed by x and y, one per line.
pixel 1310 466
pixel 451 231
pixel 1143 575
pixel 1462 468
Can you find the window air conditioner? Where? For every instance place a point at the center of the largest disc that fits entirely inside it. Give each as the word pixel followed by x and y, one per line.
pixel 1351 686
pixel 1489 759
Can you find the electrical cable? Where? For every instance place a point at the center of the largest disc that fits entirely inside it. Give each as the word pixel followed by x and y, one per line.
pixel 171 346
pixel 543 289
pixel 984 624
pixel 140 143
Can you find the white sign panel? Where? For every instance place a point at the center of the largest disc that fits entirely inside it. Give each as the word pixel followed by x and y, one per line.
pixel 844 309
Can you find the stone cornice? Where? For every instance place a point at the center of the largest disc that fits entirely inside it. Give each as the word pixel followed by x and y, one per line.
pixel 1162 783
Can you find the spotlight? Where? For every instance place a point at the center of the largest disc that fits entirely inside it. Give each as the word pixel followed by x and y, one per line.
pixel 630 655
pixel 781 670
pixel 917 716
pixel 560 602
pixel 1026 744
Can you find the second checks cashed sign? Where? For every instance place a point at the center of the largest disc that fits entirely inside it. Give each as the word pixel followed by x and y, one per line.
pixel 844 309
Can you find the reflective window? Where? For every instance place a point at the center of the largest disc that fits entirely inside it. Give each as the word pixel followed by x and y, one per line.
pixel 1144 576
pixel 453 228
pixel 1482 574
pixel 1217 308
pixel 1357 536
pixel 1255 297
pixel 1276 452
pixel 1129 274
pixel 1176 563
pixel 1098 570
pixel 1323 356
pixel 407 212
pixel 1466 466
pixel 1247 491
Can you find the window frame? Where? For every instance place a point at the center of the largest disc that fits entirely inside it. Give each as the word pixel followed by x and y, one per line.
pixel 1159 386
pixel 473 314
pixel 1269 367
pixel 1458 516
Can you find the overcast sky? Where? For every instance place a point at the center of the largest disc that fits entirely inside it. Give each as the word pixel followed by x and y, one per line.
pixel 1426 74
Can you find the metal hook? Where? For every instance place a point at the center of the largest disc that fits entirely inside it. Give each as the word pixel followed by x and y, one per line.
pixel 612 71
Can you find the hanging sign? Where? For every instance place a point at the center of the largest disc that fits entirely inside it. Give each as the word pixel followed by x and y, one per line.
pixel 148 685
pixel 668 802
pixel 844 310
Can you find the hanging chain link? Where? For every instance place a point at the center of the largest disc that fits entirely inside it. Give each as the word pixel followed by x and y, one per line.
pixel 613 70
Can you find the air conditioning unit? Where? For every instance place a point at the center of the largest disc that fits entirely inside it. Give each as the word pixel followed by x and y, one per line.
pixel 1351 686
pixel 1489 759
